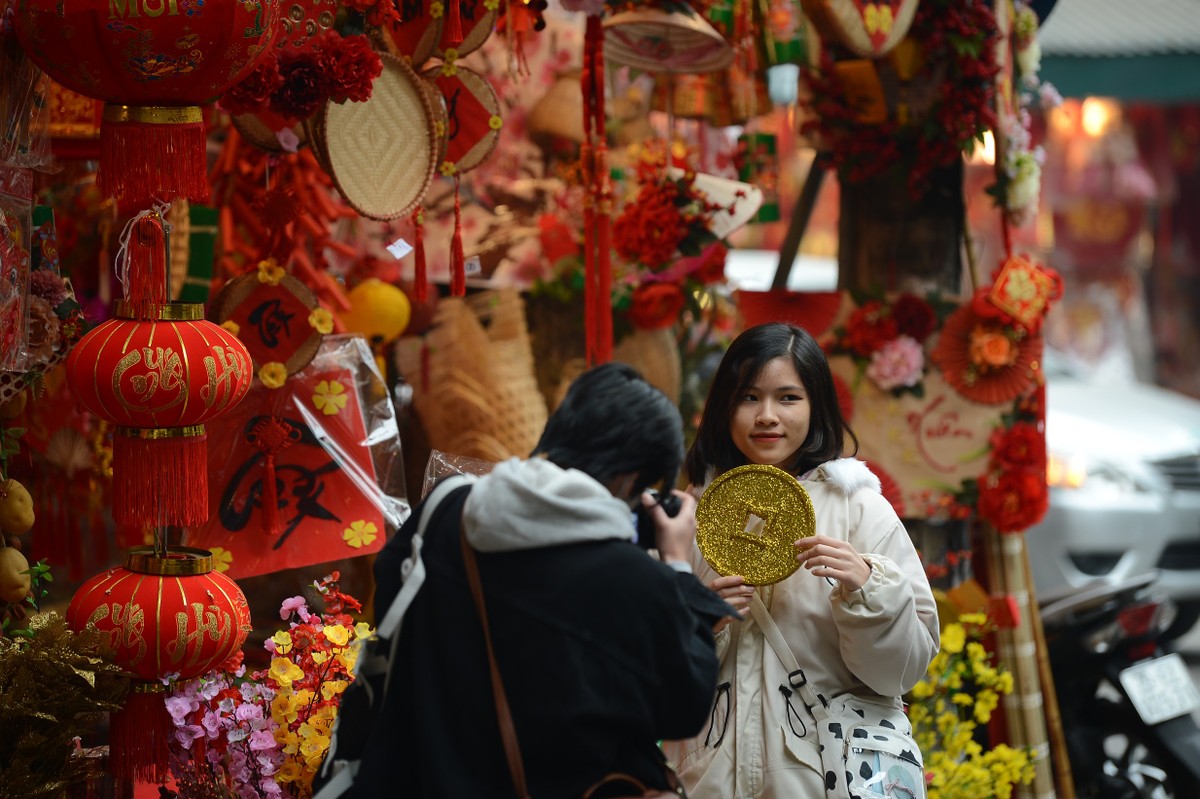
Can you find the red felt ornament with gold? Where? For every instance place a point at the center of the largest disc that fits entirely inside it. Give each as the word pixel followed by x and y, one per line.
pixel 164 612
pixel 158 371
pixel 154 63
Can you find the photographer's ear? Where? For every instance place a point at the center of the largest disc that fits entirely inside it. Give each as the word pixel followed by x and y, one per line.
pixel 621 487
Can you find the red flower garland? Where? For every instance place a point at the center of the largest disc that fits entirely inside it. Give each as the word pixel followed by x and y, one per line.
pixel 959 36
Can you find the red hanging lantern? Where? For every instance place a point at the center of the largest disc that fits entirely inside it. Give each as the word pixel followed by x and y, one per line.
pixel 159 381
pixel 164 613
pixel 154 63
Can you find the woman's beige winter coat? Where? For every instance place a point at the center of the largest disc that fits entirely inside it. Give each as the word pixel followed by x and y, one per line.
pixel 874 642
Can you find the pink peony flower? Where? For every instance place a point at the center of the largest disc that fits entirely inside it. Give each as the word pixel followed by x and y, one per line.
pixel 898 363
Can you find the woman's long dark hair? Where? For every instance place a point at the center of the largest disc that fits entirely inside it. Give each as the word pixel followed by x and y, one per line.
pixel 714 449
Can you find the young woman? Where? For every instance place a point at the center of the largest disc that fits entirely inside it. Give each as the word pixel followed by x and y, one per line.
pixel 858 616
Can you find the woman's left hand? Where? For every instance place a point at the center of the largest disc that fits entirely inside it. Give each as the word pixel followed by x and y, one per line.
pixel 834 559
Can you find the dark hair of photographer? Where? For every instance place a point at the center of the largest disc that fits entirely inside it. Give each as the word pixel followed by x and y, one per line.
pixel 594 431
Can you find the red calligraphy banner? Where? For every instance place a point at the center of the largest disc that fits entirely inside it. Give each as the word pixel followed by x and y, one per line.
pixel 326 495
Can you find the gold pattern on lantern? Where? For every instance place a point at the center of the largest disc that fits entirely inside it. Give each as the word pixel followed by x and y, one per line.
pixel 162 369
pixel 128 623
pixel 219 385
pixel 191 630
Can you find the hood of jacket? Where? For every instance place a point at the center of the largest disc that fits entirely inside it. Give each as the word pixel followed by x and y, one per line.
pixel 526 504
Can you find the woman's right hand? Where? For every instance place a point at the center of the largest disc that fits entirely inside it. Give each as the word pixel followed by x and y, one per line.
pixel 734 590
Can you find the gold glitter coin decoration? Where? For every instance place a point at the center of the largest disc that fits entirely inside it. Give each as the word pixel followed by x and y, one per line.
pixel 748 519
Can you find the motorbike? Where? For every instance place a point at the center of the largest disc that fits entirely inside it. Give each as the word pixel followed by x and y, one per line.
pixel 1127 706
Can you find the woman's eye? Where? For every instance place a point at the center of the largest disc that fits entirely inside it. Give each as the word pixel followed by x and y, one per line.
pixel 749 398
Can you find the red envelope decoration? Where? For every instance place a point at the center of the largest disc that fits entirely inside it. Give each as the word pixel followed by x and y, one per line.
pixel 325 479
pixel 416 33
pixel 472 115
pixel 272 319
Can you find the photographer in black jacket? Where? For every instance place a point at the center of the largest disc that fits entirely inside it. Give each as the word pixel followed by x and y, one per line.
pixel 603 649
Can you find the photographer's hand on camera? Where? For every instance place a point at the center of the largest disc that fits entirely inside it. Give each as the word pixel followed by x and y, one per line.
pixel 674 534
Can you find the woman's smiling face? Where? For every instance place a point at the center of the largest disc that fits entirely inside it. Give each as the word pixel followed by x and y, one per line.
pixel 770 420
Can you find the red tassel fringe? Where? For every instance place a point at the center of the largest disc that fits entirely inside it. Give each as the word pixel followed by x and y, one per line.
pixel 420 281
pixel 271 436
pixel 138 736
pixel 146 262
pixel 453 35
pixel 458 262
pixel 160 481
pixel 142 163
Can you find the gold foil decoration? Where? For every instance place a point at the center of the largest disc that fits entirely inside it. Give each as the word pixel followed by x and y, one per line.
pixel 748 519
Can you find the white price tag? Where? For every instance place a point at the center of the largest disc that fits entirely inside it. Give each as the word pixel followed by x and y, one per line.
pixel 399 248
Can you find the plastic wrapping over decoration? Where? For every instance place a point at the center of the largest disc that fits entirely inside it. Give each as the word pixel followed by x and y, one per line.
pixel 329 438
pixel 16 210
pixel 443 464
pixel 24 122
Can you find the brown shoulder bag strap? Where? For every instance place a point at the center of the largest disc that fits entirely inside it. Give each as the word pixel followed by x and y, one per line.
pixel 508 731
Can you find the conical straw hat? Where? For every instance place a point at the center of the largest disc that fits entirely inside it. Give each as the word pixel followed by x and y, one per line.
pixel 745 199
pixel 665 41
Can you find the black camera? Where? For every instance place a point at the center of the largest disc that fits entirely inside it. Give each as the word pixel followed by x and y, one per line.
pixel 646 537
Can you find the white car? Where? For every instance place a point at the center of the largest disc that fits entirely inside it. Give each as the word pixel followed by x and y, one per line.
pixel 1124 476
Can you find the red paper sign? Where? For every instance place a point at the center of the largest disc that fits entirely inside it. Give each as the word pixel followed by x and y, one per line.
pixel 324 477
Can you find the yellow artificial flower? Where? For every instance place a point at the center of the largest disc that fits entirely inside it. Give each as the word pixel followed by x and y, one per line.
pixel 321 320
pixel 337 634
pixel 231 327
pixel 437 9
pixel 348 658
pixel 273 375
pixel 491 5
pixel 222 558
pixel 495 122
pixel 954 638
pixel 290 771
pixel 360 534
pixel 362 630
pixel 332 688
pixel 270 272
pixel 448 169
pixel 329 397
pixel 319 657
pixel 285 672
pixel 282 641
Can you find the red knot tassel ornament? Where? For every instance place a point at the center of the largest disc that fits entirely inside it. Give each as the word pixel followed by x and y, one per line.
pixel 458 263
pixel 452 37
pixel 420 279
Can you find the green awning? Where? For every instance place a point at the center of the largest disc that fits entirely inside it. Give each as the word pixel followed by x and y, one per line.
pixel 1148 77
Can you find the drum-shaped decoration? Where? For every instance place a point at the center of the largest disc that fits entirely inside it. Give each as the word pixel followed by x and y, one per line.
pixel 154 63
pixel 167 612
pixel 159 381
pixel 869 28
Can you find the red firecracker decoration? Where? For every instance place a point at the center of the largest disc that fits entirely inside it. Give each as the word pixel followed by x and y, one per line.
pixel 154 63
pixel 164 613
pixel 158 371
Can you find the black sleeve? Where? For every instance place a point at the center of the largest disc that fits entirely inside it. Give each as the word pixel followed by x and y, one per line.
pixel 688 656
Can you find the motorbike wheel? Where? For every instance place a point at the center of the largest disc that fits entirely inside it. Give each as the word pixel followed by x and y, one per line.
pixel 1142 771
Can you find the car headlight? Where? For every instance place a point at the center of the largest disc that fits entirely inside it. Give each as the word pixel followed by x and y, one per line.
pixel 1080 473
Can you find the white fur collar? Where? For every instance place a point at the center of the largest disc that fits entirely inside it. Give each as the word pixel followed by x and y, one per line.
pixel 849 475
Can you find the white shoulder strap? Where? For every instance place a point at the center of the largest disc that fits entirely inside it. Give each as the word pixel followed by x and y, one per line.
pixel 413 569
pixel 776 641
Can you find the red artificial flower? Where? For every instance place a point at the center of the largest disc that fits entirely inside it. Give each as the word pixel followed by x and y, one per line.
pixel 305 86
pixel 869 328
pixel 655 305
pixel 253 93
pixel 914 316
pixel 650 228
pixel 351 65
pixel 1022 446
pixel 712 264
pixel 1013 501
pixel 557 238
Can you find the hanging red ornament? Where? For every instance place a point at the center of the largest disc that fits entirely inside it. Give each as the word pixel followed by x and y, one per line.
pixel 420 278
pixel 164 613
pixel 158 370
pixel 154 63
